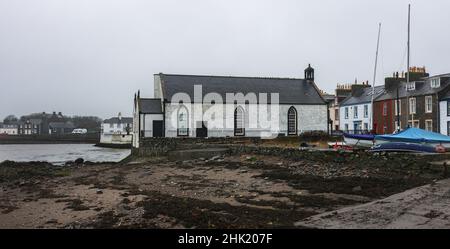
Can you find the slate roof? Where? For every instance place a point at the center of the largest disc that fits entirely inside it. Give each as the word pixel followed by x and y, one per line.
pixel 150 106
pixel 422 88
pixel 328 97
pixel 362 96
pixel 8 126
pixel 115 120
pixel 291 91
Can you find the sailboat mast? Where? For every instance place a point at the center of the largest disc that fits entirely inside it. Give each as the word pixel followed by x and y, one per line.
pixel 375 76
pixel 409 40
pixel 408 63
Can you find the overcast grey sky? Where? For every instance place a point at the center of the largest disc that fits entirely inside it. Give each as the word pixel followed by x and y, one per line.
pixel 88 57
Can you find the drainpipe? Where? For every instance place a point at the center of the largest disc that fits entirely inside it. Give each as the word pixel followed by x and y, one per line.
pixel 139 118
pixel 398 111
pixel 438 114
pixel 164 117
pixel 328 118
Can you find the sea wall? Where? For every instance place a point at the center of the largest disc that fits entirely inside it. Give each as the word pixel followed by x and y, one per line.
pixel 154 147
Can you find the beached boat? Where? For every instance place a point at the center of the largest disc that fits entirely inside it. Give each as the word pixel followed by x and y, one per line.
pixel 364 141
pixel 405 147
pixel 415 136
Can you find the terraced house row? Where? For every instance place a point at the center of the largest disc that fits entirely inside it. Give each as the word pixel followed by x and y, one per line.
pixel 423 102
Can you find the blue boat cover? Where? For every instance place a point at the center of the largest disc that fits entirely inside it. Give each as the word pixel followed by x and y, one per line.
pixel 415 135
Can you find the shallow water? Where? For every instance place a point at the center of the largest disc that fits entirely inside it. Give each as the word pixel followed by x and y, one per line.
pixel 60 153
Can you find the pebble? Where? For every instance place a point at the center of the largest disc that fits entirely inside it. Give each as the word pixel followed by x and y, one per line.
pixel 357 189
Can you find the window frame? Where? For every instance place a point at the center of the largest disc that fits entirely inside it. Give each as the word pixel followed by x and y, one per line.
pixel 448 108
pixel 179 130
pixel 435 83
pixel 411 124
pixel 295 131
pixel 411 86
pixel 430 99
pixel 410 105
pixel 426 124
pixel 385 109
pixel 237 132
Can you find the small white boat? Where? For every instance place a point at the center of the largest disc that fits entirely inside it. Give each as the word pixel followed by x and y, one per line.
pixel 363 141
pixel 407 147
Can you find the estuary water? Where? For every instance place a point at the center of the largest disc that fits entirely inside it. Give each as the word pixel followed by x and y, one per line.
pixel 60 153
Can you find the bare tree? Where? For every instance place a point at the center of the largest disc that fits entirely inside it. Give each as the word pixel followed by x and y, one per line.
pixel 10 119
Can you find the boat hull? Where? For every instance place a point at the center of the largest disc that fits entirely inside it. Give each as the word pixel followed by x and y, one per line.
pixel 354 142
pixel 445 145
pixel 404 147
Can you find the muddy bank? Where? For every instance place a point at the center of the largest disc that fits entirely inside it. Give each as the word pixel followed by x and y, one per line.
pixel 249 190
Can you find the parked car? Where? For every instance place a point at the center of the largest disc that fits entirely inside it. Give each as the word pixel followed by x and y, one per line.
pixel 79 131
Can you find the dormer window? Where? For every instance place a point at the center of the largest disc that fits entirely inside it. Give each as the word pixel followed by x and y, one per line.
pixel 411 86
pixel 436 83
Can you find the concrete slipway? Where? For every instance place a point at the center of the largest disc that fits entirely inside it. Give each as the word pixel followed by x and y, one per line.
pixel 426 207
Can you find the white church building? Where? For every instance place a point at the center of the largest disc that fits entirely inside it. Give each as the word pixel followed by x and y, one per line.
pixel 228 106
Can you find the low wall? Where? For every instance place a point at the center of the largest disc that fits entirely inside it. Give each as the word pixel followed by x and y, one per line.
pixel 153 147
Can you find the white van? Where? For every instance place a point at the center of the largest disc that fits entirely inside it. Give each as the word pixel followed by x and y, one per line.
pixel 79 131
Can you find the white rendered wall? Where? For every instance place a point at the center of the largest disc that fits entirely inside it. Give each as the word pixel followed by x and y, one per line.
pixel 351 119
pixel 309 118
pixel 147 123
pixel 8 131
pixel 444 118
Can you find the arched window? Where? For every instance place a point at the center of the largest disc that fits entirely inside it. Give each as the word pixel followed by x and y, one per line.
pixel 292 121
pixel 239 122
pixel 182 122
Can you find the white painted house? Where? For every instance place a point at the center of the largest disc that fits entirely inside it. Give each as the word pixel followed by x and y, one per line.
pixel 117 130
pixel 444 108
pixel 225 106
pixel 444 113
pixel 355 112
pixel 8 129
